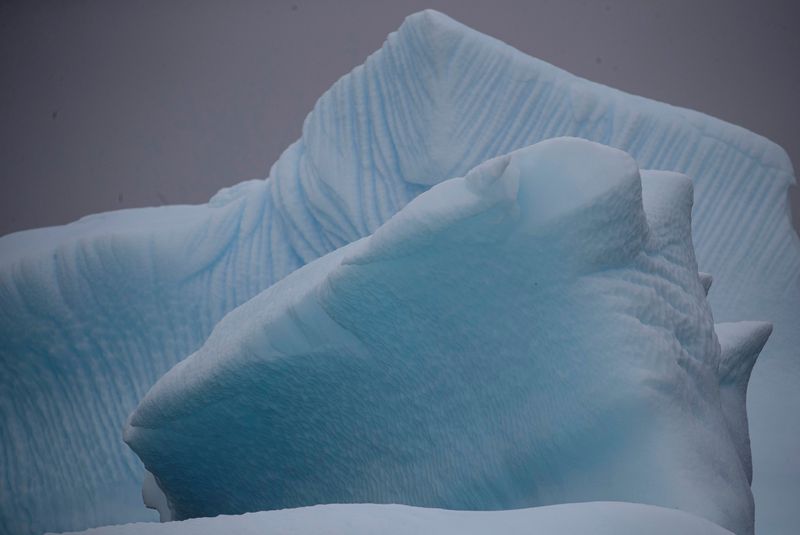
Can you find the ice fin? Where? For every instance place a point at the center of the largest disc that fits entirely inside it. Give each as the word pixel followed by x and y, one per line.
pixel 741 344
pixel 154 498
pixel 668 199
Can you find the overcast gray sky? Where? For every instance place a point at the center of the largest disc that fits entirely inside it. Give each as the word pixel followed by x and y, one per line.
pixel 114 104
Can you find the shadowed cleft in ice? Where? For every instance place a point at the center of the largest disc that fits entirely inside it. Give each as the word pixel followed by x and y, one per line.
pixel 535 332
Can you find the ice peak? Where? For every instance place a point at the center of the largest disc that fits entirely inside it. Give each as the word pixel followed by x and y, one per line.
pixel 740 343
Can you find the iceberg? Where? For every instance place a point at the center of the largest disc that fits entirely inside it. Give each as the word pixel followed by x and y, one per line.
pixel 368 519
pixel 93 313
pixel 533 333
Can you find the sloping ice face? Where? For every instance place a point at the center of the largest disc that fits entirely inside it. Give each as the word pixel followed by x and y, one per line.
pixel 92 313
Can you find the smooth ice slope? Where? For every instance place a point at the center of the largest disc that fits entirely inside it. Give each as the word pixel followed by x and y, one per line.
pixel 92 313
pixel 533 333
pixel 366 519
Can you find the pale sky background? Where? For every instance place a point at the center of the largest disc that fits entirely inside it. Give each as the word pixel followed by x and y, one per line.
pixel 112 104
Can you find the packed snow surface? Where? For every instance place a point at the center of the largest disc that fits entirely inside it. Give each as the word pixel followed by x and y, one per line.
pixel 367 519
pixel 93 313
pixel 533 333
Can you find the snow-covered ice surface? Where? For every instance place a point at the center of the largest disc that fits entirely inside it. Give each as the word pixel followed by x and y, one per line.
pixel 533 333
pixel 92 313
pixel 368 519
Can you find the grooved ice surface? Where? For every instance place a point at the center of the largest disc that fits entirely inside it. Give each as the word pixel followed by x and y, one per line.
pixel 533 333
pixel 368 519
pixel 92 313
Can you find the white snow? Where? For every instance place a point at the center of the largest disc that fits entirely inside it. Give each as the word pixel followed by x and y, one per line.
pixel 367 519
